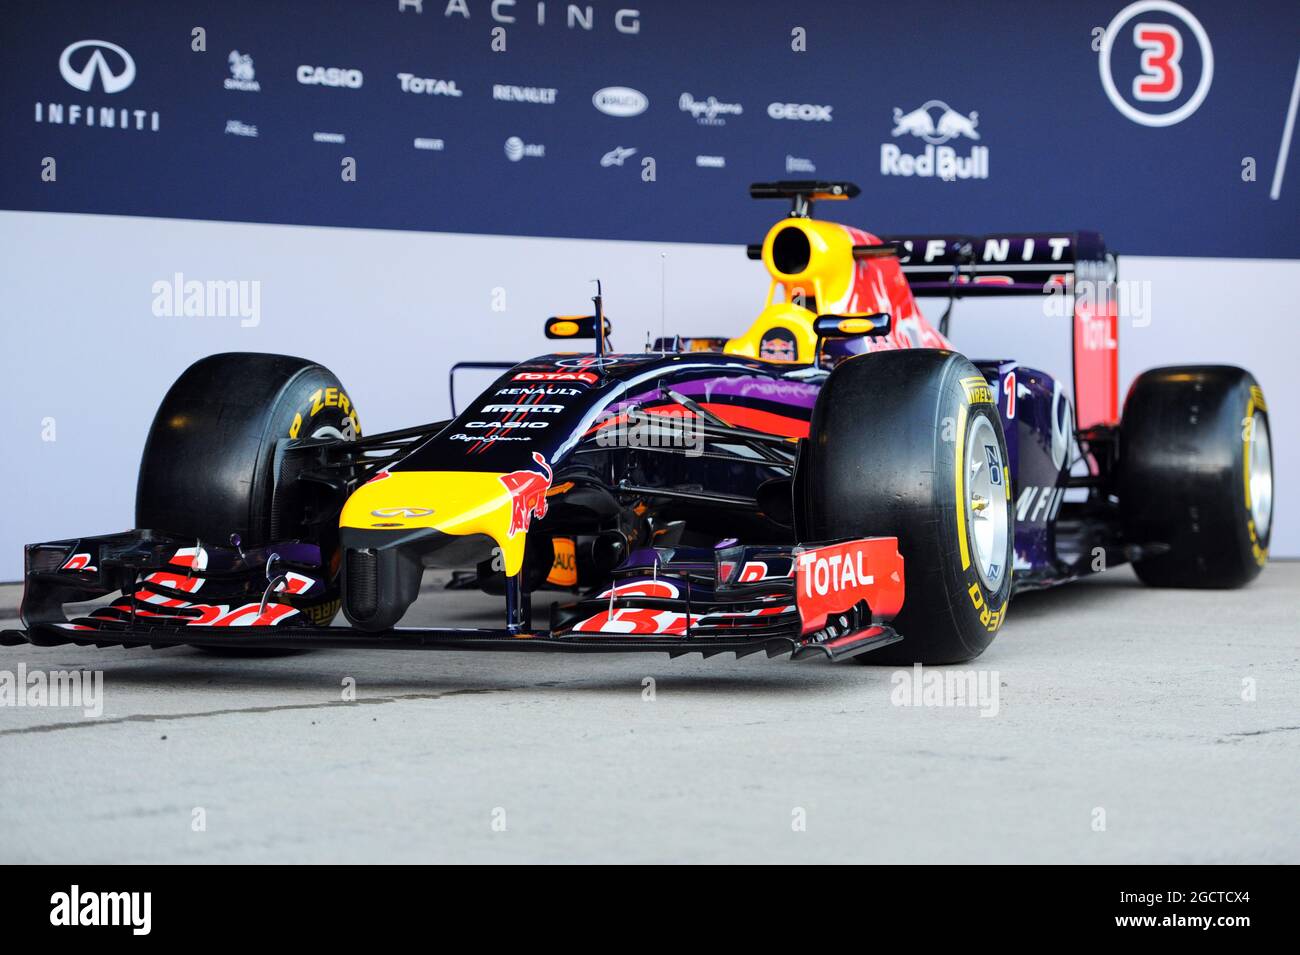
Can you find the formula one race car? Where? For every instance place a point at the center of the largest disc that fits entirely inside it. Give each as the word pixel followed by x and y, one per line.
pixel 835 480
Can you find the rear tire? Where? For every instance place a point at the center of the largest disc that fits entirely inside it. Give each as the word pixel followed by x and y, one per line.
pixel 909 444
pixel 1196 477
pixel 207 468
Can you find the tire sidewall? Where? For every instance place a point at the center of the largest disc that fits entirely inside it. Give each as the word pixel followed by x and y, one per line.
pixel 977 612
pixel 883 459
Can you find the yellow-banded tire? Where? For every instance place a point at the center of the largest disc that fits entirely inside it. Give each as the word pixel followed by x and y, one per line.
pixel 207 471
pixel 1196 476
pixel 909 444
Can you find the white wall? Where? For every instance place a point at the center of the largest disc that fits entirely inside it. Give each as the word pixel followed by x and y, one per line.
pixel 389 312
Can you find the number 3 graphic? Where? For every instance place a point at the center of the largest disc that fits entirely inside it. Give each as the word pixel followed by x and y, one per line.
pixel 1160 47
pixel 1161 78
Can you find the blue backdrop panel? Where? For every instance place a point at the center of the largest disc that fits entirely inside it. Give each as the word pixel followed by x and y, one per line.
pixel 250 130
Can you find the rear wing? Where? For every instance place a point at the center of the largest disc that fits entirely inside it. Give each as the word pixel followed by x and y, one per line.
pixel 1007 263
pixel 1055 264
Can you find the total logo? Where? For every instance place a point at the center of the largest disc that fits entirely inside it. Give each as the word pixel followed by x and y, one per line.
pixel 833 579
pixel 333 76
pixel 584 377
pixel 620 101
pixel 935 123
pixel 410 83
pixel 1149 43
pixel 241 76
pixel 805 112
pixel 517 149
pixel 97 67
pixel 709 112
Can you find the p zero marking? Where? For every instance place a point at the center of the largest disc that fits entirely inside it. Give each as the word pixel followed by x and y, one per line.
pixel 959 471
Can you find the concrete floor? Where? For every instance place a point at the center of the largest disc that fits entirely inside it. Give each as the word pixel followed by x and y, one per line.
pixel 1113 699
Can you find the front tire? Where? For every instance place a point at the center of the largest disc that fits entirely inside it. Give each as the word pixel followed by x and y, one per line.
pixel 1196 476
pixel 208 466
pixel 909 444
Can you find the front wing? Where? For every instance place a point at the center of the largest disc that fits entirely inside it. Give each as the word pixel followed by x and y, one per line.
pixel 832 600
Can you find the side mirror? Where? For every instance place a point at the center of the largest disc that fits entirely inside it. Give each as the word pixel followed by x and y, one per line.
pixel 853 325
pixel 573 326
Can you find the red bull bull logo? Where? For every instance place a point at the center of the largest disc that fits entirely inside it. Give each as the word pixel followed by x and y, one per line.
pixel 527 494
pixel 936 123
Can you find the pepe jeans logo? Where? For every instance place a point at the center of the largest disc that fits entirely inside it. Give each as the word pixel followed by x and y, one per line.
pixel 708 112
pixel 935 123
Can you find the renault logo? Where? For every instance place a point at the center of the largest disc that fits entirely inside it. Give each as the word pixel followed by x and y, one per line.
pixel 407 512
pixel 98 64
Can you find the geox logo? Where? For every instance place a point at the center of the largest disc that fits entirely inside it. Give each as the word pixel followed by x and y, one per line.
pixel 75 907
pixel 807 112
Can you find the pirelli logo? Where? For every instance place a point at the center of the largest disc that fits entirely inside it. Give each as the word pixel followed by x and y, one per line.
pixel 1257 398
pixel 977 390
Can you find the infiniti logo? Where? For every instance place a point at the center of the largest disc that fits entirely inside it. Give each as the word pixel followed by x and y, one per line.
pixel 98 64
pixel 402 512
